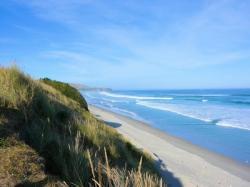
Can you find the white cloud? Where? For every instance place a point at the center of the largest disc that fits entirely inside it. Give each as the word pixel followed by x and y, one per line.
pixel 210 35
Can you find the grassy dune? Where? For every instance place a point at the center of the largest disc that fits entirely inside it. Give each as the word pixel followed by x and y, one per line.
pixel 48 138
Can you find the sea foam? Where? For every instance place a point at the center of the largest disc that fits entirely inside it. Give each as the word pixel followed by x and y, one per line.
pixel 134 97
pixel 219 115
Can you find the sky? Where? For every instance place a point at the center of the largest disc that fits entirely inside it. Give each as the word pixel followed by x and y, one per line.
pixel 132 44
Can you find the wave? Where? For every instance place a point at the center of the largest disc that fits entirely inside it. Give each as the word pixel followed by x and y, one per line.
pixel 241 102
pixel 131 114
pixel 201 95
pixel 106 104
pixel 135 97
pixel 112 100
pixel 241 95
pixel 228 124
pixel 88 96
pixel 164 108
pixel 118 110
pixel 237 118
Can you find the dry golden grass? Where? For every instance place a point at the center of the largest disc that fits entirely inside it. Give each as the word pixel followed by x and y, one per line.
pixel 16 90
pixel 20 163
pixel 104 175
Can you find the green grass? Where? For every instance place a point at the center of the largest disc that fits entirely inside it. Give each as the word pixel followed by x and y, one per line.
pixel 75 146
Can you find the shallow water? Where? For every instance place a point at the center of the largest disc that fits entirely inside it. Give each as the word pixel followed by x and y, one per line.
pixel 215 119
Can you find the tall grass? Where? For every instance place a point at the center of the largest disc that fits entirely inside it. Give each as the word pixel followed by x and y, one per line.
pixel 76 147
pixel 104 175
pixel 17 90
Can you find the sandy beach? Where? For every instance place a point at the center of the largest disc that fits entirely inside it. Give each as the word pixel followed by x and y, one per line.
pixel 180 162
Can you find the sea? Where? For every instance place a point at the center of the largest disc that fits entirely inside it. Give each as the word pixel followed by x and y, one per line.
pixel 215 119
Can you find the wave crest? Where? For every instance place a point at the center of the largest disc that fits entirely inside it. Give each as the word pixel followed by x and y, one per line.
pixel 237 118
pixel 135 97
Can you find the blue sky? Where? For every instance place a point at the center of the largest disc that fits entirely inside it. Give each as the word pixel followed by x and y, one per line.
pixel 130 44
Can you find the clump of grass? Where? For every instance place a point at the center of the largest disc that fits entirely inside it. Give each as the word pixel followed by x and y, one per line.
pixel 66 135
pixel 17 90
pixel 104 175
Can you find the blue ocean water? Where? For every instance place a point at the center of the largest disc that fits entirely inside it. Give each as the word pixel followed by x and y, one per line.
pixel 218 120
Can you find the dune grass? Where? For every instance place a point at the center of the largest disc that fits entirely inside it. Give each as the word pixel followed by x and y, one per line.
pixel 75 146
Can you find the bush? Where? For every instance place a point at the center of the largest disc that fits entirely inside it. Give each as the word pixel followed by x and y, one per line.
pixel 68 91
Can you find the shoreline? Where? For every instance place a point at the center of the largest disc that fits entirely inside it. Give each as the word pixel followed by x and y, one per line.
pixel 189 163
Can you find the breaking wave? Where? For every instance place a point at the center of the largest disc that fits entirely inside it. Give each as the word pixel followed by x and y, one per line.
pixel 134 97
pixel 230 117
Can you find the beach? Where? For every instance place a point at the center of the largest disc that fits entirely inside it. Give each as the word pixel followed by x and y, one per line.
pixel 180 162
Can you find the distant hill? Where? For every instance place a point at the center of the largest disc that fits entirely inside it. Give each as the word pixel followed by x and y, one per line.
pixel 88 88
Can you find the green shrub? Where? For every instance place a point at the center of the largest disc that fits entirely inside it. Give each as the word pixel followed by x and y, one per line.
pixel 68 91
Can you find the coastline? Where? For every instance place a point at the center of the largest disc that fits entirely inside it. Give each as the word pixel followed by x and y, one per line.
pixel 177 158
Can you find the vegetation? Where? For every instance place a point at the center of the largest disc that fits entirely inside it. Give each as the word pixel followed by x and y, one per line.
pixel 48 138
pixel 67 90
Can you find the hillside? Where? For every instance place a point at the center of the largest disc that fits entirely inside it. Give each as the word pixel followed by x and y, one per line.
pixel 48 138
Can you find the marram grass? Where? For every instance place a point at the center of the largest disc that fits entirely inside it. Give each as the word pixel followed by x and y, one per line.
pixel 76 149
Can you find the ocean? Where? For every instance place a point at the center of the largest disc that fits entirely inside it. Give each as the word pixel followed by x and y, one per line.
pixel 218 120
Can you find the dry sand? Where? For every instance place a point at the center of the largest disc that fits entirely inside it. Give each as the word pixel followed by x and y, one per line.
pixel 180 162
